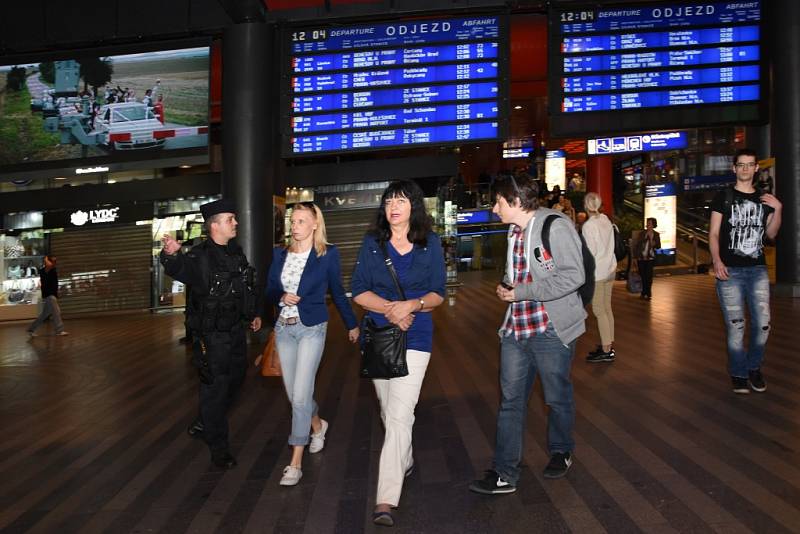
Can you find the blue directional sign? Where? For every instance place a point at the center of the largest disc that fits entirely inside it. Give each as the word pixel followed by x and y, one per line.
pixel 637 143
pixel 375 86
pixel 657 55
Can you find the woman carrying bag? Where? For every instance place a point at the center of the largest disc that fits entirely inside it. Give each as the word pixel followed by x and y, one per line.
pixel 299 277
pixel 402 233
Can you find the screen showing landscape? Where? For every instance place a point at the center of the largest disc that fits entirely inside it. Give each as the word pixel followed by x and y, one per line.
pixel 386 85
pixel 103 107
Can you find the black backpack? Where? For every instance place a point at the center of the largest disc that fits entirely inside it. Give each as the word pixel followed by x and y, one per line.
pixel 586 291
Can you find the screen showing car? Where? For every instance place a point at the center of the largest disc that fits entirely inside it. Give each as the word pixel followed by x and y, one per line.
pixel 100 108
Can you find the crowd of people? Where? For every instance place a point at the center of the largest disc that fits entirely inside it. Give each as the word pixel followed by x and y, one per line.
pixel 399 278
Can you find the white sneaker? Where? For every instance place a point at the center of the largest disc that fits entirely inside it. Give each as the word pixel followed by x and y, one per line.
pixel 318 438
pixel 63 333
pixel 291 475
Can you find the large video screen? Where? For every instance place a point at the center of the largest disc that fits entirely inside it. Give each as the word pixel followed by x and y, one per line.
pixel 89 109
pixel 612 68
pixel 387 85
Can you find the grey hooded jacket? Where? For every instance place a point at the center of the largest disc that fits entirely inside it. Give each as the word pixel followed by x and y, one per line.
pixel 557 274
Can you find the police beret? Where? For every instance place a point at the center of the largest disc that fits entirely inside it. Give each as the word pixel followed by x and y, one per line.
pixel 218 206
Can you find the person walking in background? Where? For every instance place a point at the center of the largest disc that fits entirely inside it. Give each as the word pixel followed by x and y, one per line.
pixel 599 235
pixel 299 277
pixel 644 250
pixel 741 218
pixel 401 232
pixel 222 304
pixel 48 276
pixel 543 321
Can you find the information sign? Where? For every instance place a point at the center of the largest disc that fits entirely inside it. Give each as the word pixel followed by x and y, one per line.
pixel 384 85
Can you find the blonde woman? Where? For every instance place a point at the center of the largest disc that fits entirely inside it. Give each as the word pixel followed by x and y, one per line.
pixel 299 277
pixel 599 235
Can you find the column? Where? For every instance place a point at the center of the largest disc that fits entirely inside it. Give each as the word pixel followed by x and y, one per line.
pixel 600 180
pixel 783 25
pixel 249 138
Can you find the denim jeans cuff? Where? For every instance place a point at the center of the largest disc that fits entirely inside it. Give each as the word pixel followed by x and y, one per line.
pixel 296 441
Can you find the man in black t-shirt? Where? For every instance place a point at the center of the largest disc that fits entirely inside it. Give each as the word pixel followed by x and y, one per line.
pixel 740 220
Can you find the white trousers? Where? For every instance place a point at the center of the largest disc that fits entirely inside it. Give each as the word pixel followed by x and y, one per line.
pixel 398 398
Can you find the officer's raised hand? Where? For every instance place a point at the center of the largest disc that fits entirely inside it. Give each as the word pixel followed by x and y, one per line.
pixel 171 246
pixel 255 326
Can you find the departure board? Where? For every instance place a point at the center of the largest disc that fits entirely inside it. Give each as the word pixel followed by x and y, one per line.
pixel 612 67
pixel 394 84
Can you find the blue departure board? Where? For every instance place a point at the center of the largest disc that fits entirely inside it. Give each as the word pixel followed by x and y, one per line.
pixel 387 85
pixel 689 54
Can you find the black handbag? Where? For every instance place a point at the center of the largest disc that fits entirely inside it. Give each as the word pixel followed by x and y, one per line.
pixel 383 348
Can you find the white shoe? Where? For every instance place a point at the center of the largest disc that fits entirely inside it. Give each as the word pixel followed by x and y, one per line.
pixel 291 475
pixel 318 438
pixel 63 333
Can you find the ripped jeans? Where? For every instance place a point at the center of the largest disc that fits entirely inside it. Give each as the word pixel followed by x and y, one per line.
pixel 745 286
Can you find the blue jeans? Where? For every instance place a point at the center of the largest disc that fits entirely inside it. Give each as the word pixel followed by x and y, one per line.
pixel 745 286
pixel 520 360
pixel 300 351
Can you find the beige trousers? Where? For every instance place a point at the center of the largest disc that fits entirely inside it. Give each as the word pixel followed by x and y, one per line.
pixel 398 398
pixel 601 307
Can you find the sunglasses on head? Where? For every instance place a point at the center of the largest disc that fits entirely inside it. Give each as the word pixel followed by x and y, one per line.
pixel 307 205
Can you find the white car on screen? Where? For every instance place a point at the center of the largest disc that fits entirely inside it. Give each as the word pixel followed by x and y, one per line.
pixel 129 126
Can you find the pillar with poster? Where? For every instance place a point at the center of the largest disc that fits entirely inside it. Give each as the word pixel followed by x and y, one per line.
pixel 661 203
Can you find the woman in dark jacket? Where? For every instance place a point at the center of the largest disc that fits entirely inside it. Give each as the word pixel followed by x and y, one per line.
pixel 644 250
pixel 403 230
pixel 299 278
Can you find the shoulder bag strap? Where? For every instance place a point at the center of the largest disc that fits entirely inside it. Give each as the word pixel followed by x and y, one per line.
pixel 389 266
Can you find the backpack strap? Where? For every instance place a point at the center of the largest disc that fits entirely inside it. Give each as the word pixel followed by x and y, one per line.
pixel 546 231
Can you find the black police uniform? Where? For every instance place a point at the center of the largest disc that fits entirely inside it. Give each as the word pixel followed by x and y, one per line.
pixel 220 307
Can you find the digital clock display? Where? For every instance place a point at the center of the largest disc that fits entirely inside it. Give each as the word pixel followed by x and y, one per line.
pixel 404 83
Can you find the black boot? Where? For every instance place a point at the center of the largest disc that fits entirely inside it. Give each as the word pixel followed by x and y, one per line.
pixel 223 459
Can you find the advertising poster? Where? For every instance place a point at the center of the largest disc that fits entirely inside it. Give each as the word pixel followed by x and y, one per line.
pixel 661 202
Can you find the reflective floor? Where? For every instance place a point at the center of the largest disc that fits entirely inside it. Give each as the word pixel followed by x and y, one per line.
pixel 94 431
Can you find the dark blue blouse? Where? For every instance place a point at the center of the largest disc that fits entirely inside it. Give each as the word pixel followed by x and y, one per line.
pixel 420 271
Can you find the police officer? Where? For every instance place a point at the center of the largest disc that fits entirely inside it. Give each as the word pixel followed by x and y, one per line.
pixel 220 305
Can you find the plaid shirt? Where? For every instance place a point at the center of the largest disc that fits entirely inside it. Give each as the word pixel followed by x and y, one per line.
pixel 527 317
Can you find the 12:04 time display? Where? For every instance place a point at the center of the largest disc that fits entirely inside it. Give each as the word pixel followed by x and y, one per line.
pixel 577 16
pixel 311 35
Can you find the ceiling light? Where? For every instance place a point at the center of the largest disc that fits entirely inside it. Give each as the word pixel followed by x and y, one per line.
pixel 185 166
pixel 111 181
pixel 517 107
pixel 60 178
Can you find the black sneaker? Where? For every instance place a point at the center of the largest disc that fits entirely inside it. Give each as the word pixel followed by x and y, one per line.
pixel 757 381
pixel 196 429
pixel 558 465
pixel 492 484
pixel 598 350
pixel 602 356
pixel 740 385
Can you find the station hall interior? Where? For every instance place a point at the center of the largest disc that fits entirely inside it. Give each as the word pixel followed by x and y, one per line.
pixel 119 120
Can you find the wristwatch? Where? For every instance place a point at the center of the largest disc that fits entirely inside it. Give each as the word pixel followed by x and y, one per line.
pixel 421 304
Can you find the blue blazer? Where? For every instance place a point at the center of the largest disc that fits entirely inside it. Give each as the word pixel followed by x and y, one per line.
pixel 319 275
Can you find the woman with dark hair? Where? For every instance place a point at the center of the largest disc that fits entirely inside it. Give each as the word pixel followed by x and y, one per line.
pixel 644 250
pixel 401 232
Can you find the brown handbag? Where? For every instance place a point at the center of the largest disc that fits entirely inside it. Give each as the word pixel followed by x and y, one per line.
pixel 270 362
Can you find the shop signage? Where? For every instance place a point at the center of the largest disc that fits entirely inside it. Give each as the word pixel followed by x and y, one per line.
pixel 637 143
pixel 91 216
pixel 340 200
pixel 91 170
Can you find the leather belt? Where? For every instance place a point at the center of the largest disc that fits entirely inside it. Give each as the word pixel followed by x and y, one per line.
pixel 283 321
